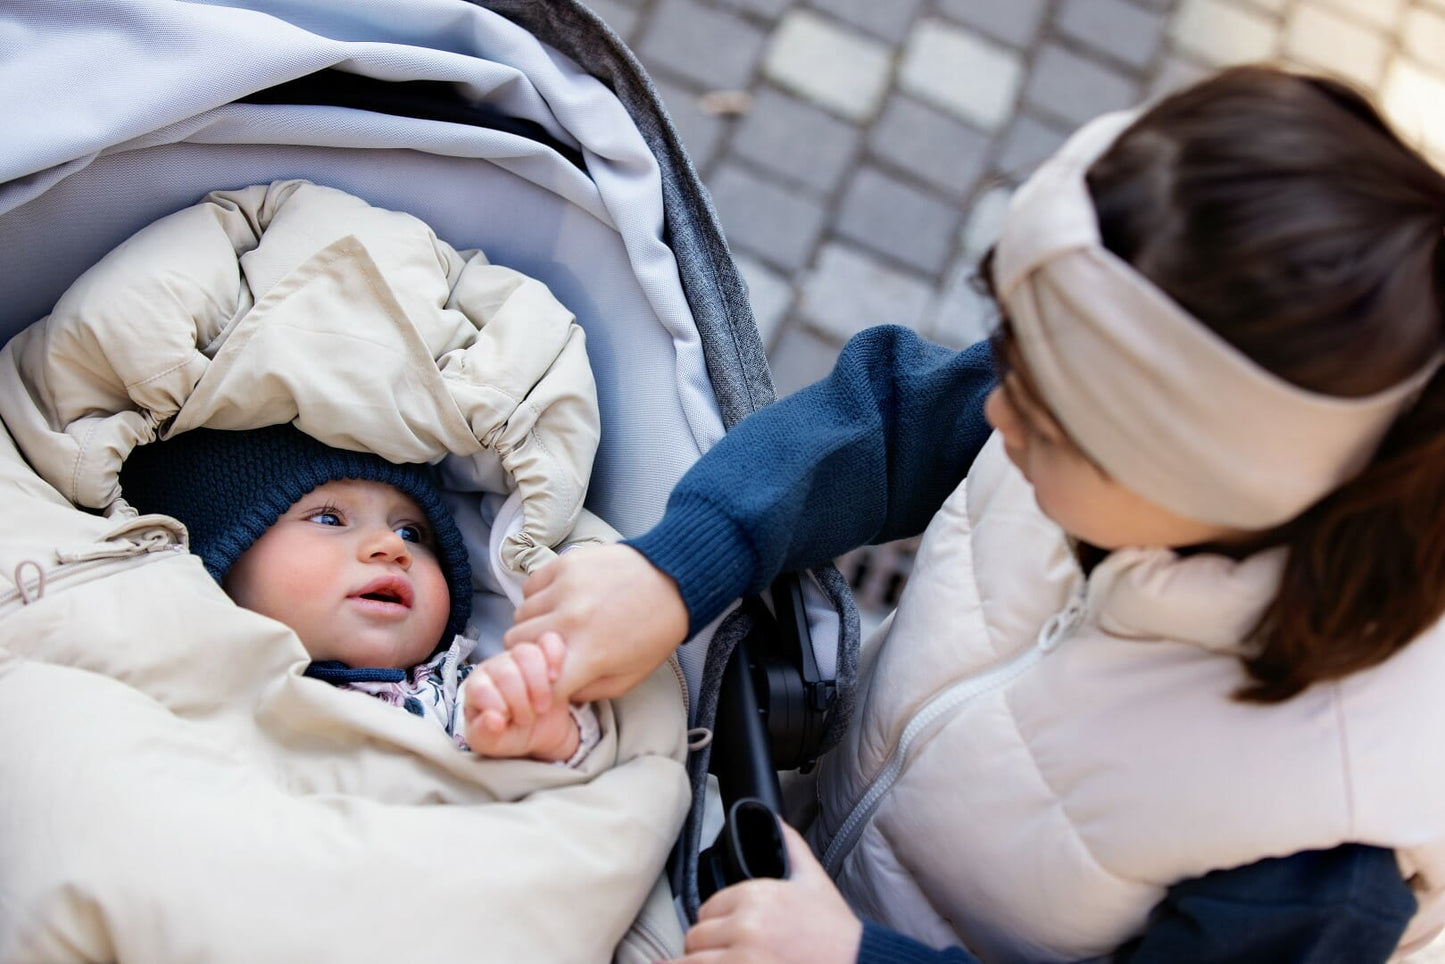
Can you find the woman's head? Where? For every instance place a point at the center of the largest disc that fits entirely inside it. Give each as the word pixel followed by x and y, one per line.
pixel 1281 214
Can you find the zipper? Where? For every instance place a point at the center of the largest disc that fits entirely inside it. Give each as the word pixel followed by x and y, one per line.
pixel 1058 628
pixel 136 541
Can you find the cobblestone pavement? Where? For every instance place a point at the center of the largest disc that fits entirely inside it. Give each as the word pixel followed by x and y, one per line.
pixel 860 151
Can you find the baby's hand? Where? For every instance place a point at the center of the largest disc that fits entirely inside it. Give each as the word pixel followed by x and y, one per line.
pixel 510 711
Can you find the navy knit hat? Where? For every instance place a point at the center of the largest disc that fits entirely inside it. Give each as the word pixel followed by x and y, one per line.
pixel 228 488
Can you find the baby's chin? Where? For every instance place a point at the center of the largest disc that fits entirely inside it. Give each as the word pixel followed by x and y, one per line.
pixel 372 654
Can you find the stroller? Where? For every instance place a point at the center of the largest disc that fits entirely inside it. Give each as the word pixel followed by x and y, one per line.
pixel 520 127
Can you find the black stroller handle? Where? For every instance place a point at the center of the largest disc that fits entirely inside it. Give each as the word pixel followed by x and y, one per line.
pixel 750 846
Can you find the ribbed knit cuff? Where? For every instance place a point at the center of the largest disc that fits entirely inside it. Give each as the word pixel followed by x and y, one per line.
pixel 707 554
pixel 882 946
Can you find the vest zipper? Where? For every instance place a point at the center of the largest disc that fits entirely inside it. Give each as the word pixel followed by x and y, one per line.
pixel 1059 627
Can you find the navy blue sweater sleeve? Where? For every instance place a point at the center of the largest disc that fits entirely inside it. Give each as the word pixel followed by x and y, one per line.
pixel 866 455
pixel 1342 906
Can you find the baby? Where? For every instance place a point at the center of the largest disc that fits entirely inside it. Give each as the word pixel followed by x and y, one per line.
pixel 362 560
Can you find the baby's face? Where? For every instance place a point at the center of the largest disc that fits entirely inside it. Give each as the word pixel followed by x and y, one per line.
pixel 351 567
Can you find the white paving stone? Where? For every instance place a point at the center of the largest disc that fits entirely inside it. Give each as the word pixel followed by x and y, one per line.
pixel 849 291
pixel 1318 36
pixel 1223 33
pixel 1384 14
pixel 1424 36
pixel 1413 98
pixel 770 293
pixel 960 72
pixel 830 64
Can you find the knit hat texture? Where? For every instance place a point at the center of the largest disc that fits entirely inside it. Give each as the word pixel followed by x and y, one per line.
pixel 228 488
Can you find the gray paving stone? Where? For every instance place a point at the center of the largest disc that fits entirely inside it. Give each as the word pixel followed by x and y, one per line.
pixel 929 144
pixel 897 220
pixel 621 17
pixel 1075 89
pixel 771 9
pixel 766 218
pixel 850 290
pixel 828 63
pixel 960 314
pixel 1027 143
pixel 1014 22
pixel 1424 34
pixel 710 47
pixel 800 358
pixel 961 72
pixel 1319 37
pixel 1175 73
pixel 770 293
pixel 1220 32
pixel 797 140
pixel 701 132
pixel 1118 28
pixel 1270 6
pixel 888 19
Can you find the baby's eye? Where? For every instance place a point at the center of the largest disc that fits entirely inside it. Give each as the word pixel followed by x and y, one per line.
pixel 411 532
pixel 325 517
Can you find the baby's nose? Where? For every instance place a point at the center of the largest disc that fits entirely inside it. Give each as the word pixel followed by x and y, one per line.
pixel 387 545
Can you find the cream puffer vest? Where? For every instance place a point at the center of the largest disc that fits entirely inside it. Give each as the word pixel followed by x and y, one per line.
pixel 1036 757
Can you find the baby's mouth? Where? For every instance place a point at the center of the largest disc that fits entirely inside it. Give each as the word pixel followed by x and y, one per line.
pixel 387 590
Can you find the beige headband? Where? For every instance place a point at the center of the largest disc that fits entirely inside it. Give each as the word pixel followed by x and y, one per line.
pixel 1164 405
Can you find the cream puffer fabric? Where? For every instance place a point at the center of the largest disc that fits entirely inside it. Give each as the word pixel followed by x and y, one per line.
pixel 171 786
pixel 1036 757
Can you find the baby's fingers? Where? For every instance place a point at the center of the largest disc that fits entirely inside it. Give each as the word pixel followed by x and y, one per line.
pixel 485 702
pixel 507 677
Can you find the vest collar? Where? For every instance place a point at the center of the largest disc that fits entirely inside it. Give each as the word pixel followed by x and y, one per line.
pixel 1210 601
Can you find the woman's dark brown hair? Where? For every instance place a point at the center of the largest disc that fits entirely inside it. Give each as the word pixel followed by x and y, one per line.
pixel 1283 213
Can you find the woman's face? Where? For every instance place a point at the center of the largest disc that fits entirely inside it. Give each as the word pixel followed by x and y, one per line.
pixel 1074 492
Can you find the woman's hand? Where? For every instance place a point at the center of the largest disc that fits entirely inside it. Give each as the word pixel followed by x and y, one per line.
pixel 801 920
pixel 619 615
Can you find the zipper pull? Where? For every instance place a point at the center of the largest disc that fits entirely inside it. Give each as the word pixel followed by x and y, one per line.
pixel 131 540
pixel 1062 623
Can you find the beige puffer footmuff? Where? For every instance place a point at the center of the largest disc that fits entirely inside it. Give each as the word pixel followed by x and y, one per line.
pixel 171 786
